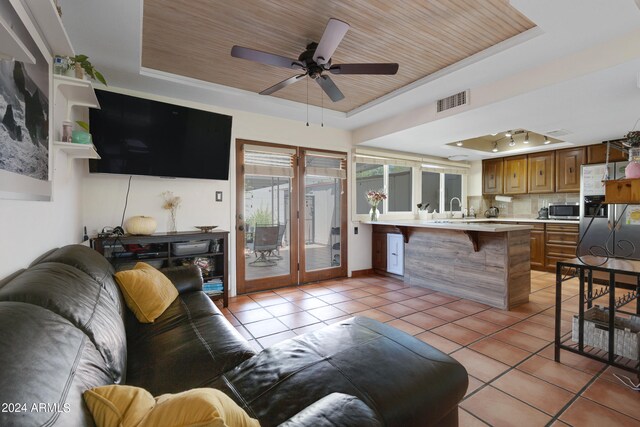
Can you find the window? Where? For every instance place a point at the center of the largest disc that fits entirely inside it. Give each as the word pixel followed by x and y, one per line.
pixel 438 189
pixel 368 177
pixel 453 188
pixel 399 188
pixel 431 190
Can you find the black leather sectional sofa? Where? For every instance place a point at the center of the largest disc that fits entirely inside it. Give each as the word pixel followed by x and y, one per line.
pixel 64 328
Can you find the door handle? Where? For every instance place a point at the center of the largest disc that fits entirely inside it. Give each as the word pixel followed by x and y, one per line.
pixel 394 254
pixel 241 228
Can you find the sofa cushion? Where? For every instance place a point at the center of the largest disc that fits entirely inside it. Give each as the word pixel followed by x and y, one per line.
pixel 114 406
pixel 91 262
pixel 336 409
pixel 422 387
pixel 189 346
pixel 77 297
pixel 47 362
pixel 147 291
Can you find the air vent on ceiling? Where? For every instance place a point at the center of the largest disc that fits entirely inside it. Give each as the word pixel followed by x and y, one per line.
pixel 557 133
pixel 460 98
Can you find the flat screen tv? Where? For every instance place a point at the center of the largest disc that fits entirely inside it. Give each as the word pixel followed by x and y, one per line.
pixel 136 136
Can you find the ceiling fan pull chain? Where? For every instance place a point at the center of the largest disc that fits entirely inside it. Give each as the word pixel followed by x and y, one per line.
pixel 307 101
pixel 321 109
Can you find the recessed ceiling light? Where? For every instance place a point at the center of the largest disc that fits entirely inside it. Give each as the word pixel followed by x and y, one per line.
pixel 507 133
pixel 526 139
pixel 459 143
pixel 546 140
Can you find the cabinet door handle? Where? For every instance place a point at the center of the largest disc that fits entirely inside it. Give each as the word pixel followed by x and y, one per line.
pixel 570 170
pixel 514 175
pixel 540 173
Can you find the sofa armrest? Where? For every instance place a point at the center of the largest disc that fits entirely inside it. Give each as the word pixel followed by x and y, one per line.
pixel 335 410
pixel 186 278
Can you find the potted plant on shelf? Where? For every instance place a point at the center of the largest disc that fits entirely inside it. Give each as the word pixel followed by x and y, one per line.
pixel 82 65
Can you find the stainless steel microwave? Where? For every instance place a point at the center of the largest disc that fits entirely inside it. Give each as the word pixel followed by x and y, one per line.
pixel 564 210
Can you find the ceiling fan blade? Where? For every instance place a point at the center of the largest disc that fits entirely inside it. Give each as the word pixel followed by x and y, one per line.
pixel 282 84
pixel 333 34
pixel 386 68
pixel 264 57
pixel 330 88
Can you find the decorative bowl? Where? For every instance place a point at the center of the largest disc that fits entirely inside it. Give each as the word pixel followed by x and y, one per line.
pixel 205 228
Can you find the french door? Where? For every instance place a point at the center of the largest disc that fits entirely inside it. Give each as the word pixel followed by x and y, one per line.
pixel 290 215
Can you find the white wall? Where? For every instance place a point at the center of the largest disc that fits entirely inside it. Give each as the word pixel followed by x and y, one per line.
pixel 103 195
pixel 474 179
pixel 29 228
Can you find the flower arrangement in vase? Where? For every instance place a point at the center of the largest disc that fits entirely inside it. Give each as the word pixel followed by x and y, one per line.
pixel 374 198
pixel 633 168
pixel 171 203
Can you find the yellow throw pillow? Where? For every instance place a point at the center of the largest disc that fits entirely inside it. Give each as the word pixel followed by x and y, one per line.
pixel 147 291
pixel 123 406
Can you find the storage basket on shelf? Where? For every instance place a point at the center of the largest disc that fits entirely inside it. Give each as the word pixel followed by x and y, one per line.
pixel 190 248
pixel 596 332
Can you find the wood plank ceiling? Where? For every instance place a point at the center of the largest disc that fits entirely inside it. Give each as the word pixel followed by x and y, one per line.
pixel 193 38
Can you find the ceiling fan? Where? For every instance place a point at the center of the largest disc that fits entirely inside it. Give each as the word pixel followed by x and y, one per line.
pixel 315 61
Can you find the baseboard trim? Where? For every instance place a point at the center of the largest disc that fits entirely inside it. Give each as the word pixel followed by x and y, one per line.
pixel 360 273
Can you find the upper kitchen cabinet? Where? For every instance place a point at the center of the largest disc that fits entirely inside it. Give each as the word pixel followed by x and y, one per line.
pixel 598 154
pixel 542 172
pixel 492 171
pixel 515 175
pixel 568 164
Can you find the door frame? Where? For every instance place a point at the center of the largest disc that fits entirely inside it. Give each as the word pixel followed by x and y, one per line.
pixel 243 286
pixel 325 273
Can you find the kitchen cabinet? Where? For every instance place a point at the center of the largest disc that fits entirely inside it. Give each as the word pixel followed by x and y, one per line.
pixel 515 175
pixel 561 242
pixel 598 154
pixel 568 164
pixel 492 171
pixel 542 172
pixel 379 252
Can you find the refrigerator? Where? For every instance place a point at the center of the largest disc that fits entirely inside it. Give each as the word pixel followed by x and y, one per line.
pixel 625 241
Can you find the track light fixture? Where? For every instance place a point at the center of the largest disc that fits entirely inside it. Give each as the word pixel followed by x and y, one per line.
pixel 546 140
pixel 495 147
pixel 459 143
pixel 512 143
pixel 526 139
pixel 508 134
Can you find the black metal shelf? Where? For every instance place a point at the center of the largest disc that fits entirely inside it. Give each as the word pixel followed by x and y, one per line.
pixel 583 268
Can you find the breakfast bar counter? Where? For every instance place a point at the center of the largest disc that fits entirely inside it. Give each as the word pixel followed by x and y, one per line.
pixel 484 262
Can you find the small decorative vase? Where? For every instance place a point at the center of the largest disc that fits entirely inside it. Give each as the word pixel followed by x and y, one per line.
pixel 633 168
pixel 173 225
pixel 374 213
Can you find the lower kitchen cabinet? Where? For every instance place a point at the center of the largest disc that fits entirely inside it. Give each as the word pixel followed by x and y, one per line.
pixel 561 243
pixel 537 247
pixel 379 252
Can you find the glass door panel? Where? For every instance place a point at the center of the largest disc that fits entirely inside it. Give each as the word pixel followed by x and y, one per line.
pixel 322 229
pixel 267 224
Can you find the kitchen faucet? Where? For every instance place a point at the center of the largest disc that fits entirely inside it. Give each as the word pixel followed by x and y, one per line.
pixel 451 205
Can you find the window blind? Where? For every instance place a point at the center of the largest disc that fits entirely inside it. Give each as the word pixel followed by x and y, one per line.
pixel 268 161
pixel 332 165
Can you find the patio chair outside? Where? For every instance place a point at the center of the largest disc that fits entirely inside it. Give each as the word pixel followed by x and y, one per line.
pixel 265 242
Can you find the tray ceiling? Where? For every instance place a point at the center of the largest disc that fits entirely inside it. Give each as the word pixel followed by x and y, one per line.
pixel 193 38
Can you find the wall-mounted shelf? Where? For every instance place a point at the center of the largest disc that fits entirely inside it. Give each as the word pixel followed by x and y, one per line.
pixel 76 91
pixel 77 151
pixel 46 15
pixel 11 47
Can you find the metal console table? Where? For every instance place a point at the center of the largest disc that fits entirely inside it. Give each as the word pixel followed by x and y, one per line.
pixel 584 268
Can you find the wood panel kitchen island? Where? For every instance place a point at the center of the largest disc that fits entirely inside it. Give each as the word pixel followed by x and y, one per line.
pixel 487 263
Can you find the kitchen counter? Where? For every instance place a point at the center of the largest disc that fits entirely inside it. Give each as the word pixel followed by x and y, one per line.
pixel 511 219
pixel 483 261
pixel 488 226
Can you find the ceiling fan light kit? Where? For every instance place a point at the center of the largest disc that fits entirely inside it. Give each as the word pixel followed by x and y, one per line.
pixel 315 61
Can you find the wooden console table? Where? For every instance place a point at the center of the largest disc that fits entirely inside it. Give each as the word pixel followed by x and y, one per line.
pixel 160 251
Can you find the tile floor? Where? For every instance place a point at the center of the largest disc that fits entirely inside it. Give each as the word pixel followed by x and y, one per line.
pixel 508 354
